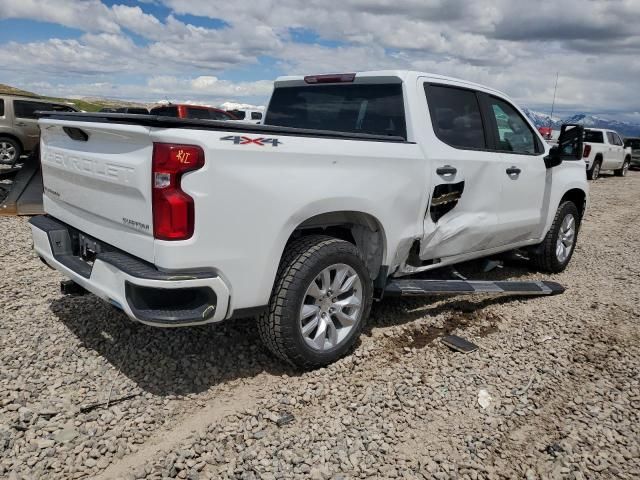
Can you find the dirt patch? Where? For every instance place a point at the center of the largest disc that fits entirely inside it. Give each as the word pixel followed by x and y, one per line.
pixel 419 336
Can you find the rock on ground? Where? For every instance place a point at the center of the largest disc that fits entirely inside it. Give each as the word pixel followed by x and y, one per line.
pixel 84 393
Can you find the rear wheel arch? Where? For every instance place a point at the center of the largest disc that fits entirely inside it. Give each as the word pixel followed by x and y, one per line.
pixel 359 228
pixel 12 137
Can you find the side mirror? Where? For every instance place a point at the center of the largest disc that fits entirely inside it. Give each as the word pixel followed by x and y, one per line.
pixel 554 158
pixel 570 144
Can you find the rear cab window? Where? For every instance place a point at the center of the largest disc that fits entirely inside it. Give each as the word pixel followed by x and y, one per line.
pixel 1 107
pixel 593 136
pixel 238 114
pixel 376 109
pixel 256 116
pixel 198 113
pixel 165 111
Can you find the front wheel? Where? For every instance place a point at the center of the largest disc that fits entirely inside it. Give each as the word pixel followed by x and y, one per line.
pixel 320 301
pixel 554 253
pixel 622 171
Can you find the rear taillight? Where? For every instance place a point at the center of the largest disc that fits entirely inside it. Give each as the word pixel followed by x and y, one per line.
pixel 587 151
pixel 173 212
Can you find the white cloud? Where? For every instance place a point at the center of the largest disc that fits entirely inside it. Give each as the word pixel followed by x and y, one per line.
pixel 512 45
pixel 88 15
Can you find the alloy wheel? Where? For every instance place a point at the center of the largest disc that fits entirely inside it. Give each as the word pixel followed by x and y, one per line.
pixel 566 238
pixel 332 307
pixel 7 152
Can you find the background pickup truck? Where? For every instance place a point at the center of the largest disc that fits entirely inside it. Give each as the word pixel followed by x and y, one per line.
pixel 634 145
pixel 302 222
pixel 604 150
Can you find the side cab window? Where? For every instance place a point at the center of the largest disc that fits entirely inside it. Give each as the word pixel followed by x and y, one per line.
pixel 617 139
pixel 455 116
pixel 611 138
pixel 512 133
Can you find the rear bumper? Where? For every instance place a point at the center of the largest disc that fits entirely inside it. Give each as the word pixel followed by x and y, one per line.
pixel 144 293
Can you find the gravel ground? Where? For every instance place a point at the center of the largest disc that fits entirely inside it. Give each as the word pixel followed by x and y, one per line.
pixel 86 393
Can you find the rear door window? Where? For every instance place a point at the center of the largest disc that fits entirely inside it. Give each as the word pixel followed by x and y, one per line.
pixel 593 136
pixel 28 109
pixel 455 115
pixel 376 109
pixel 256 116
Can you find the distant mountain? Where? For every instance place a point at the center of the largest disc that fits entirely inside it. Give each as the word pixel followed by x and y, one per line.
pixel 627 129
pixel 540 119
pixel 9 90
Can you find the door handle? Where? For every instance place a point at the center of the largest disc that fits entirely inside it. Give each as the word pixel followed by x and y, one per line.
pixel 21 124
pixel 446 170
pixel 513 170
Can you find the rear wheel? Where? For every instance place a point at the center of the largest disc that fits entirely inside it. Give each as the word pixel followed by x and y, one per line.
pixel 554 253
pixel 594 173
pixel 10 150
pixel 320 302
pixel 622 171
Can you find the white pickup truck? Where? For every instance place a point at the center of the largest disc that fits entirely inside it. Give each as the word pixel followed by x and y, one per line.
pixel 605 150
pixel 353 181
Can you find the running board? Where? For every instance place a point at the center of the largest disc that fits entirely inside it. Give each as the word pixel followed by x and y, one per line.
pixel 410 288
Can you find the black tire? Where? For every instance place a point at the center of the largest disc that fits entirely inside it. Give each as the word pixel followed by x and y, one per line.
pixel 544 256
pixel 594 173
pixel 302 262
pixel 622 172
pixel 17 148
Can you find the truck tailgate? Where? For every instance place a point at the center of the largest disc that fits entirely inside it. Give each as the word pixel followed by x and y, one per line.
pixel 97 178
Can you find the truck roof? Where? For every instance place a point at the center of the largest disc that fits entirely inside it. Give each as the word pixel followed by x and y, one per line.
pixel 35 99
pixel 594 129
pixel 403 75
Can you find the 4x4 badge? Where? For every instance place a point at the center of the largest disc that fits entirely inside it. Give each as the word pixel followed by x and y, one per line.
pixel 242 140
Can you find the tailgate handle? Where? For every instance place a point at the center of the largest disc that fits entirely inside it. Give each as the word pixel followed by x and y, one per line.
pixel 446 170
pixel 76 134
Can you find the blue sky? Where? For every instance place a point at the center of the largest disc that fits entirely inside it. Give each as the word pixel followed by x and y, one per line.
pixel 213 51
